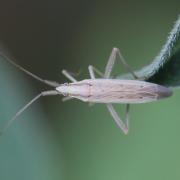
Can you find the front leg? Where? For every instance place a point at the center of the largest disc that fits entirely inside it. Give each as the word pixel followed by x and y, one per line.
pixel 111 61
pixel 123 126
pixel 68 75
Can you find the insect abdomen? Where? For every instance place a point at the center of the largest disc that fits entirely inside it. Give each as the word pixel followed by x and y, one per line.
pixel 125 91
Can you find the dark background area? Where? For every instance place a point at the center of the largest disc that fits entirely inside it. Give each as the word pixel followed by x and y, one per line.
pixel 71 141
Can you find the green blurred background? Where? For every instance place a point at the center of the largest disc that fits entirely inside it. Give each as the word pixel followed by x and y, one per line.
pixel 71 141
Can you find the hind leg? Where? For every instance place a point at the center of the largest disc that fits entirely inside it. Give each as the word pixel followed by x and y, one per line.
pixel 123 126
pixel 111 62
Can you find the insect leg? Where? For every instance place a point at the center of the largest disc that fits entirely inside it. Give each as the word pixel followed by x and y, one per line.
pixel 127 116
pixel 123 126
pixel 93 70
pixel 111 61
pixel 47 82
pixel 44 93
pixel 68 75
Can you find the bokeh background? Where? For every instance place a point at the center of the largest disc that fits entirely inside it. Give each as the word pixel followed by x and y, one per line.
pixel 72 141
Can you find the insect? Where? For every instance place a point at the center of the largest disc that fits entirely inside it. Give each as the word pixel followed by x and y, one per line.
pixel 102 90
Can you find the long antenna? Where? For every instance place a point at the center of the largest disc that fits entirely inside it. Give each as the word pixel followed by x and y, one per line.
pixel 47 82
pixel 44 93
